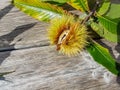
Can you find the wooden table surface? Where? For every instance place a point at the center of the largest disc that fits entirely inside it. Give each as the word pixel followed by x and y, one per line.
pixel 24 47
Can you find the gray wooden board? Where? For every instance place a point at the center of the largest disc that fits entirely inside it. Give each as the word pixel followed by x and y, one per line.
pixel 39 66
pixel 42 68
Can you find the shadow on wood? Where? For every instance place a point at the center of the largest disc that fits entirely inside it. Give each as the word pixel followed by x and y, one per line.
pixel 5 10
pixel 8 38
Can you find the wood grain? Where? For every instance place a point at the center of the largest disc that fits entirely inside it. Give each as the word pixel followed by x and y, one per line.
pixel 24 47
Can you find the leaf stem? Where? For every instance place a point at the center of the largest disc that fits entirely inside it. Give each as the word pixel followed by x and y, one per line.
pixel 91 13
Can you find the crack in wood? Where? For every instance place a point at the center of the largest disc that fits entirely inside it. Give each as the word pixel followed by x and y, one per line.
pixel 5 49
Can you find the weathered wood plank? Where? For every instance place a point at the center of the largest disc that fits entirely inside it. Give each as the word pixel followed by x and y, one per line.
pixel 43 68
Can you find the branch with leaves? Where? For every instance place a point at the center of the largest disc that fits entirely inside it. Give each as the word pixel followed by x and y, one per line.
pixel 71 34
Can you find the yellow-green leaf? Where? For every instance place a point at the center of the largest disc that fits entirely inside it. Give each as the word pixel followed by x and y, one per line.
pixel 59 1
pixel 81 5
pixel 111 28
pixel 39 10
pixel 105 7
pixel 98 28
pixel 114 11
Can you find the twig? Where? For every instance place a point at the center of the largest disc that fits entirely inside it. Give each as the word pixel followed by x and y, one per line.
pixel 91 13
